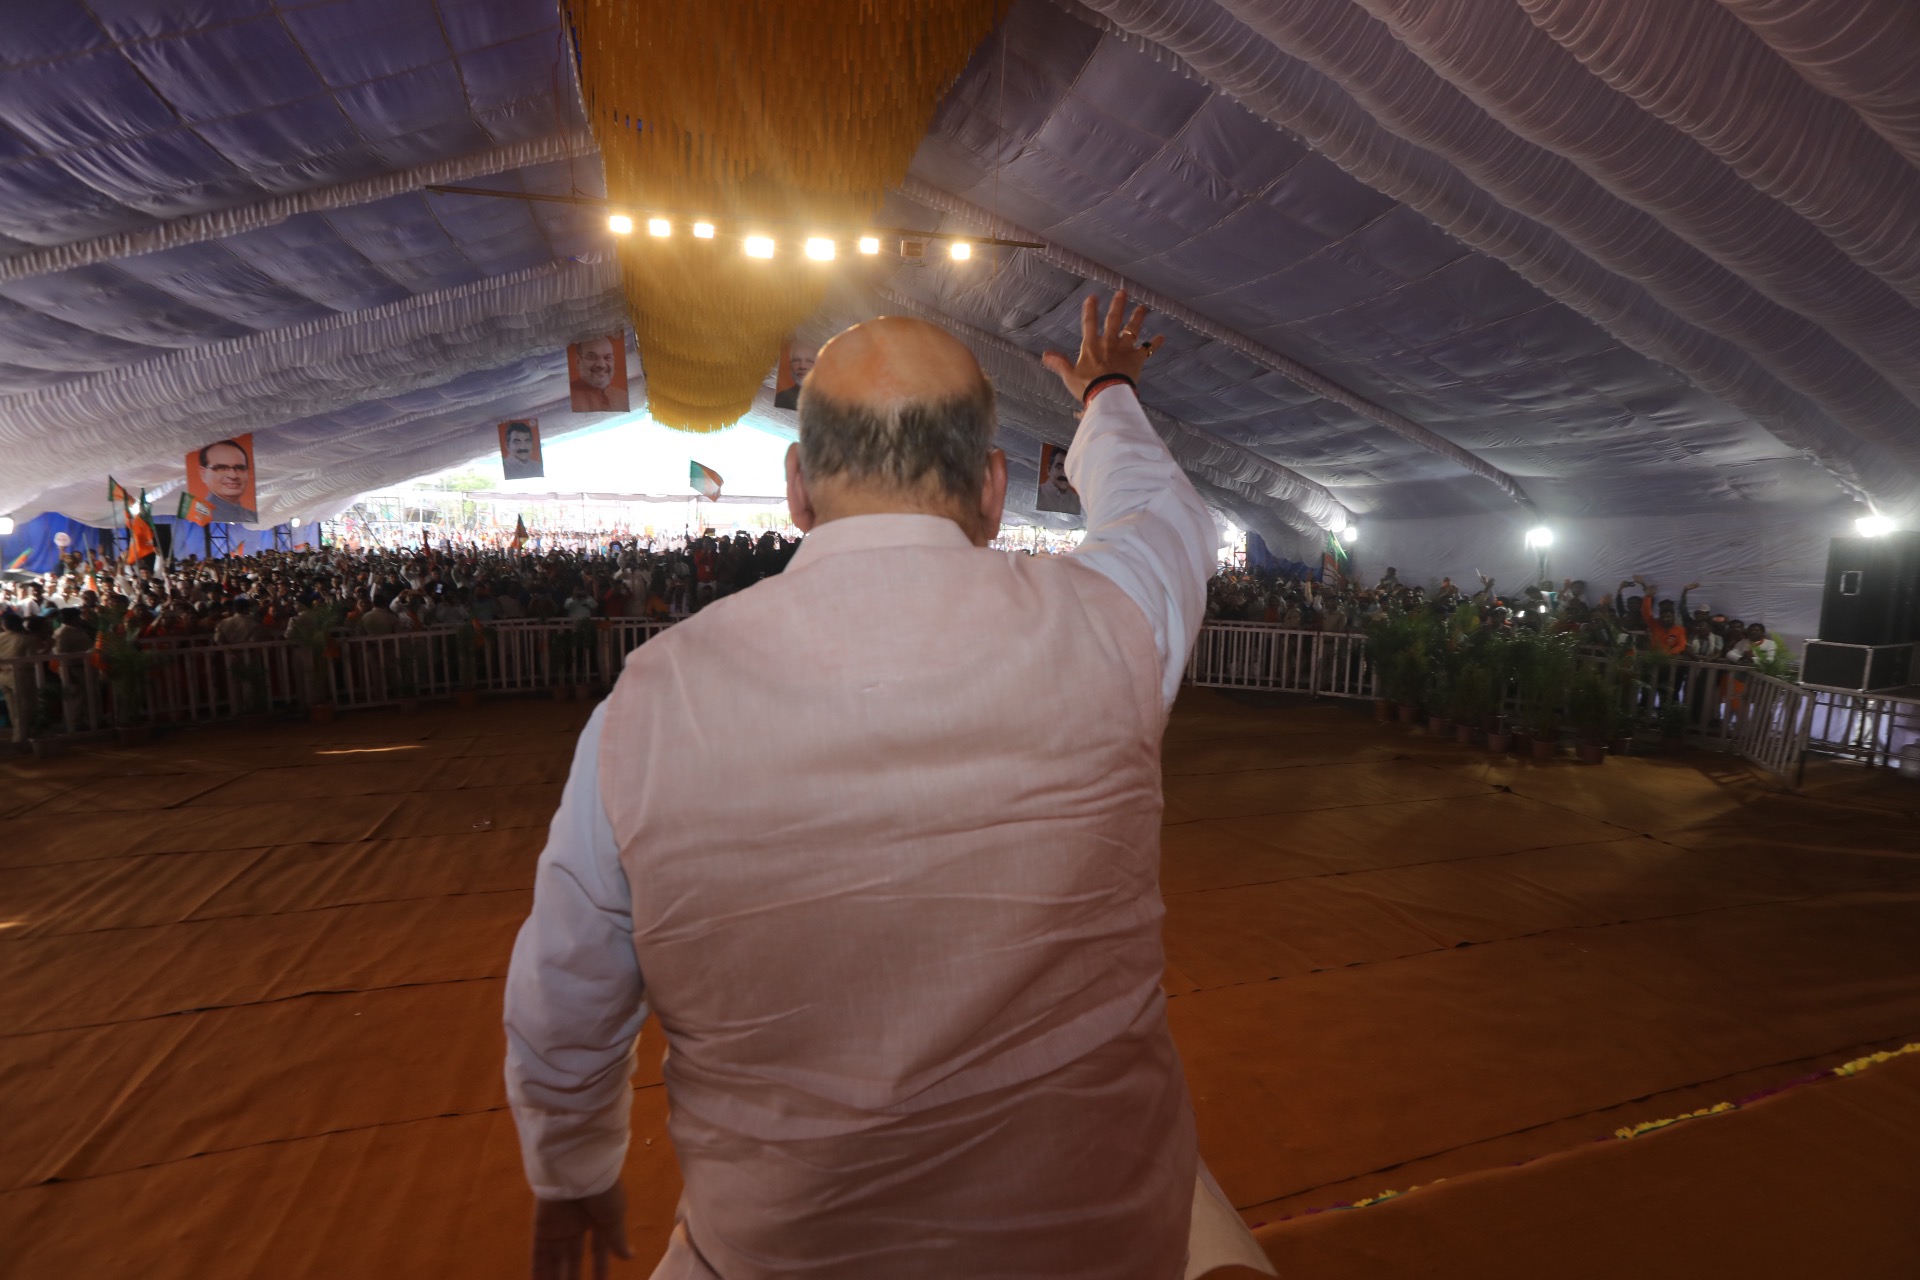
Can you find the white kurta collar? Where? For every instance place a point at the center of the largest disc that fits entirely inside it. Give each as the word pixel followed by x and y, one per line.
pixel 872 533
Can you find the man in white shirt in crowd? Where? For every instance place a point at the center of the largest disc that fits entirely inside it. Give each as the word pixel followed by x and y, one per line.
pixel 910 976
pixel 242 626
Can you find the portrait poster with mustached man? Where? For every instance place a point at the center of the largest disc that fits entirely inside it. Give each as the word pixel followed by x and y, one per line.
pixel 520 449
pixel 1055 493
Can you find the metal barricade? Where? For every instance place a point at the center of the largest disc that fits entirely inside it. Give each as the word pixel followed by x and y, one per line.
pixel 1770 722
pixel 1873 729
pixel 1255 655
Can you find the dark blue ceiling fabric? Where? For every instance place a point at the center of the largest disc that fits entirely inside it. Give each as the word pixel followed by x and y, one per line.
pixel 1099 149
pixel 119 116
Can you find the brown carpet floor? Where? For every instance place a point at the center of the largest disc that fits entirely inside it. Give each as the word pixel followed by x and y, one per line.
pixel 250 987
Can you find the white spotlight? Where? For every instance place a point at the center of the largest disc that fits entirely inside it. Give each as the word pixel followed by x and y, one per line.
pixel 620 224
pixel 960 250
pixel 1875 526
pixel 6 525
pixel 703 231
pixel 1348 534
pixel 759 246
pixel 869 245
pixel 1539 537
pixel 659 227
pixel 820 249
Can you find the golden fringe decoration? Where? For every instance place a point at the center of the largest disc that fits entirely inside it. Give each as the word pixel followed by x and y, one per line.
pixel 736 111
pixel 1852 1068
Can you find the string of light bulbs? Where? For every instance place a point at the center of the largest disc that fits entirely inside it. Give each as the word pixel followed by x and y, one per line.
pixel 816 248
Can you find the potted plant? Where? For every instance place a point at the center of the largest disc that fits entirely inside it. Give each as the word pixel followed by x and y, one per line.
pixel 586 639
pixel 1398 651
pixel 1593 710
pixel 403 678
pixel 126 666
pixel 1542 669
pixel 49 709
pixel 1497 658
pixel 469 642
pixel 313 631
pixel 250 690
pixel 1777 661
pixel 1672 723
pixel 560 663
pixel 1468 675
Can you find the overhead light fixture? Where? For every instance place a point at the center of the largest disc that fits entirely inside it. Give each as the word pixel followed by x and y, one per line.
pixel 6 525
pixel 913 250
pixel 1539 537
pixel 820 249
pixel 1873 526
pixel 1348 534
pixel 659 227
pixel 869 245
pixel 960 250
pixel 620 224
pixel 703 231
pixel 759 246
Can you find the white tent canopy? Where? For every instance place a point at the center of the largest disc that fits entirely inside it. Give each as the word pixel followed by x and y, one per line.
pixel 1443 270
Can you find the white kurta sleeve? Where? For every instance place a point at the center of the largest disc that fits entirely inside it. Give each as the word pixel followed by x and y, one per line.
pixel 575 1000
pixel 1147 530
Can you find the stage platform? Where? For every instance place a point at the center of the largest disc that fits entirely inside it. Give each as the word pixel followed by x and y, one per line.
pixel 250 985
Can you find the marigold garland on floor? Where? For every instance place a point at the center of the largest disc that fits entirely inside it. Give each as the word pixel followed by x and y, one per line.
pixel 1852 1068
pixel 735 111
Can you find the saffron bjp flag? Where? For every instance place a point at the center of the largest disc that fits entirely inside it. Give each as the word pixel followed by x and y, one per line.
pixel 118 498
pixel 519 532
pixel 194 510
pixel 704 480
pixel 141 541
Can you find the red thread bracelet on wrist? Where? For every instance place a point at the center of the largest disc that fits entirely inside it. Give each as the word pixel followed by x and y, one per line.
pixel 1101 383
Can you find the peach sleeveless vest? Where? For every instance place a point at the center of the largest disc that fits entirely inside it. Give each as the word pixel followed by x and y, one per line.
pixel 891 825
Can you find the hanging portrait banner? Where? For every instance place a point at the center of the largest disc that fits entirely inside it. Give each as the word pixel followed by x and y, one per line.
pixel 520 449
pixel 597 374
pixel 1055 493
pixel 222 475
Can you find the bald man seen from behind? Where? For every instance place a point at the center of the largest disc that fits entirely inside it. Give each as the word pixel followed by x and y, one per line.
pixel 907 960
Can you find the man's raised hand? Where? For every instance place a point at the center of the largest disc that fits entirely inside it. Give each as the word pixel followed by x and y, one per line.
pixel 1112 347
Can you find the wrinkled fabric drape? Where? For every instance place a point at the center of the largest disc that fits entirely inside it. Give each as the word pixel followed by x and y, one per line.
pixel 1326 388
pixel 1531 86
pixel 201 227
pixel 1693 65
pixel 1797 385
pixel 271 381
pixel 1861 53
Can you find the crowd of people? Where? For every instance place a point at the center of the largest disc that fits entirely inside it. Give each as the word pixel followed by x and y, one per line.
pixel 379 591
pixel 375 590
pixel 87 603
pixel 1634 615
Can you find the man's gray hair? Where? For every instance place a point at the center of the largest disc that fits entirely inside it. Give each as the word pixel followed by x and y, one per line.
pixel 942 441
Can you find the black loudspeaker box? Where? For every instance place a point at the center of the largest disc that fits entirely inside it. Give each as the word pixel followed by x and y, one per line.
pixel 1872 590
pixel 1858 667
